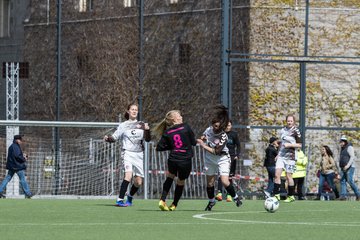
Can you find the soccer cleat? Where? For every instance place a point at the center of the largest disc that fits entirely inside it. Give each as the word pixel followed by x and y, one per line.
pixel 121 203
pixel 218 197
pixel 210 206
pixel 289 199
pixel 229 198
pixel 267 194
pixel 2 195
pixel 277 196
pixel 129 200
pixel 163 206
pixel 237 201
pixel 172 207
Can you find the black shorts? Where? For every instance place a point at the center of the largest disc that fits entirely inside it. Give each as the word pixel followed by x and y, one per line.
pixel 180 168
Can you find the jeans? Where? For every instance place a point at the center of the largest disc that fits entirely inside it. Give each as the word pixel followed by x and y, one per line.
pixel 271 176
pixel 329 178
pixel 22 179
pixel 348 176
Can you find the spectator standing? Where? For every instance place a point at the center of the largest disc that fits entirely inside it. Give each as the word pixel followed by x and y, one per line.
pixel 269 163
pixel 328 171
pixel 300 173
pixel 178 138
pixel 132 134
pixel 233 144
pixel 16 163
pixel 347 167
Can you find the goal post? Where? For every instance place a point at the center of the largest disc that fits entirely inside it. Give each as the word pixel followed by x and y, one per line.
pixel 89 167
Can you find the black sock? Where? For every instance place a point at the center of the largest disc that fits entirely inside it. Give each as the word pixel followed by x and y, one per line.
pixel 166 188
pixel 123 188
pixel 220 185
pixel 231 190
pixel 276 188
pixel 210 192
pixel 133 190
pixel 178 193
pixel 291 190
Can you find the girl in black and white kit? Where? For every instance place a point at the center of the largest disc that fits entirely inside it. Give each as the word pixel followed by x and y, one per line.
pixel 178 138
pixel 217 158
pixel 132 133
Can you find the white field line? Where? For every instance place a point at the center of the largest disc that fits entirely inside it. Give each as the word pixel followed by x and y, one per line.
pixel 212 216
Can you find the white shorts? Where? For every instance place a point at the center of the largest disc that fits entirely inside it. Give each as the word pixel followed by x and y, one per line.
pixel 133 162
pixel 289 166
pixel 215 164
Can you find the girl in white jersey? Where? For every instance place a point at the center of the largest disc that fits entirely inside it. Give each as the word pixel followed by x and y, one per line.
pixel 285 160
pixel 132 133
pixel 217 158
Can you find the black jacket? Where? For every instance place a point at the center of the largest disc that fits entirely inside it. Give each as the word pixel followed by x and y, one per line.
pixel 15 159
pixel 270 154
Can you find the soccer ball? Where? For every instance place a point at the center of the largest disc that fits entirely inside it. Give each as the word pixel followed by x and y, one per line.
pixel 271 204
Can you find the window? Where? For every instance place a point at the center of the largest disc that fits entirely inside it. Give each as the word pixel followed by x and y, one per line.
pixel 129 3
pixel 184 53
pixel 4 18
pixel 85 5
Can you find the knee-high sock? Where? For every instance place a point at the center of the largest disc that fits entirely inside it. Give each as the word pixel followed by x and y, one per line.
pixel 231 190
pixel 210 192
pixel 220 185
pixel 178 193
pixel 276 188
pixel 291 190
pixel 133 190
pixel 123 188
pixel 166 188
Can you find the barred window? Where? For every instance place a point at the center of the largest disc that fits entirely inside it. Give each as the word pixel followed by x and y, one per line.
pixel 85 5
pixel 184 53
pixel 129 3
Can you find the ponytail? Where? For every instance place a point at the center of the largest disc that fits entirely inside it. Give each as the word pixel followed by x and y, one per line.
pixel 168 121
pixel 160 128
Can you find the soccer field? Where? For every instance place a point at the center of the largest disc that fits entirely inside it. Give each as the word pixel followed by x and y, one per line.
pixel 100 219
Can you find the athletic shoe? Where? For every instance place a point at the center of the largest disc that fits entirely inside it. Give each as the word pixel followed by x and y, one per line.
pixel 163 206
pixel 237 201
pixel 267 194
pixel 218 197
pixel 289 199
pixel 277 196
pixel 172 207
pixel 209 206
pixel 2 195
pixel 28 196
pixel 229 198
pixel 129 200
pixel 121 203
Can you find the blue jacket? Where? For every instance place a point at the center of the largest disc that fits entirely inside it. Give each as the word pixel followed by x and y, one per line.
pixel 15 159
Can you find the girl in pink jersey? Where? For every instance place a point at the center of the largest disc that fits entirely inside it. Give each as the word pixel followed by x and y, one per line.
pixel 178 138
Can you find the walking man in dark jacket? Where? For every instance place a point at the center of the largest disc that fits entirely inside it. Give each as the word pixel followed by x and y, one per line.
pixel 269 162
pixel 16 163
